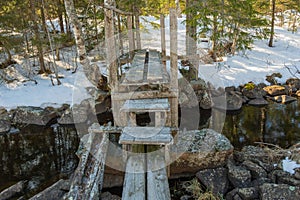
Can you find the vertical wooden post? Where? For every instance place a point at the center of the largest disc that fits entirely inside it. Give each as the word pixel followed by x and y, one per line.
pixel 120 34
pixel 130 36
pixel 174 66
pixel 110 43
pixel 111 60
pixel 163 35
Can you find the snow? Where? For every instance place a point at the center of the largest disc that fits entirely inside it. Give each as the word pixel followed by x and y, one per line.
pixel 289 165
pixel 252 65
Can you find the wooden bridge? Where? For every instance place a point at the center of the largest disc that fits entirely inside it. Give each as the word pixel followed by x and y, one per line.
pixel 147 87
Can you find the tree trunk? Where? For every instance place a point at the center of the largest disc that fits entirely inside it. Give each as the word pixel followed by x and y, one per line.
pixel 163 35
pixel 191 43
pixel 130 36
pixel 39 43
pixel 52 50
pixel 272 24
pixel 60 12
pixel 137 27
pixel 92 73
pixel 120 35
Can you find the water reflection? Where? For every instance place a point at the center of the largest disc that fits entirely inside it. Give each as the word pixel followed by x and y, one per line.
pixel 37 154
pixel 277 124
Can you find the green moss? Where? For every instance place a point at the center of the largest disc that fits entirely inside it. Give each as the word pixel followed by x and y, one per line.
pixel 249 86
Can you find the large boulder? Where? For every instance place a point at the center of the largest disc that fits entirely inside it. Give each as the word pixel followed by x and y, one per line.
pixel 275 90
pixel 34 115
pixel 199 149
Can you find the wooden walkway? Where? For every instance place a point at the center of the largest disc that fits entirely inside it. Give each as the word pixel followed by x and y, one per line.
pixel 146 176
pixel 147 68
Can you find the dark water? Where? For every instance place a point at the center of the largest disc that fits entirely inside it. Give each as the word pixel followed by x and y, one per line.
pixel 276 123
pixel 40 155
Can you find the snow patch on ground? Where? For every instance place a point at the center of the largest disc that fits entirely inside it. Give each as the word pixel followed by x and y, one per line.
pixel 246 66
pixel 289 165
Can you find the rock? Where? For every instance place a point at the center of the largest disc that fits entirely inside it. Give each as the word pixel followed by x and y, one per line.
pixel 260 181
pixel 232 102
pixel 187 95
pixel 283 99
pixel 256 170
pixel 103 106
pixel 256 155
pixel 289 181
pixel 233 195
pixel 13 191
pixel 229 89
pixel 256 92
pixel 199 84
pixel 275 90
pixel 214 180
pixel 297 173
pixel 34 115
pixel 248 193
pixel 258 102
pixel 4 126
pixel 55 191
pixel 204 100
pixel 239 176
pixel 298 93
pixel 4 115
pixel 109 196
pixel 77 114
pixel 293 83
pixel 272 78
pixel 185 197
pixel 279 191
pixel 199 149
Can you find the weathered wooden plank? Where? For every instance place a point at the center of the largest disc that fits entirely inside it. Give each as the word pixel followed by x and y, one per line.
pixel 146 135
pixel 88 177
pixel 157 179
pixel 144 94
pixel 135 74
pixel 155 67
pixel 134 182
pixel 146 105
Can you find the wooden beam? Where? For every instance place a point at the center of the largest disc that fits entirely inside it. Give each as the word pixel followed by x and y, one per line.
pixel 157 179
pixel 134 182
pixel 174 66
pixel 144 95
